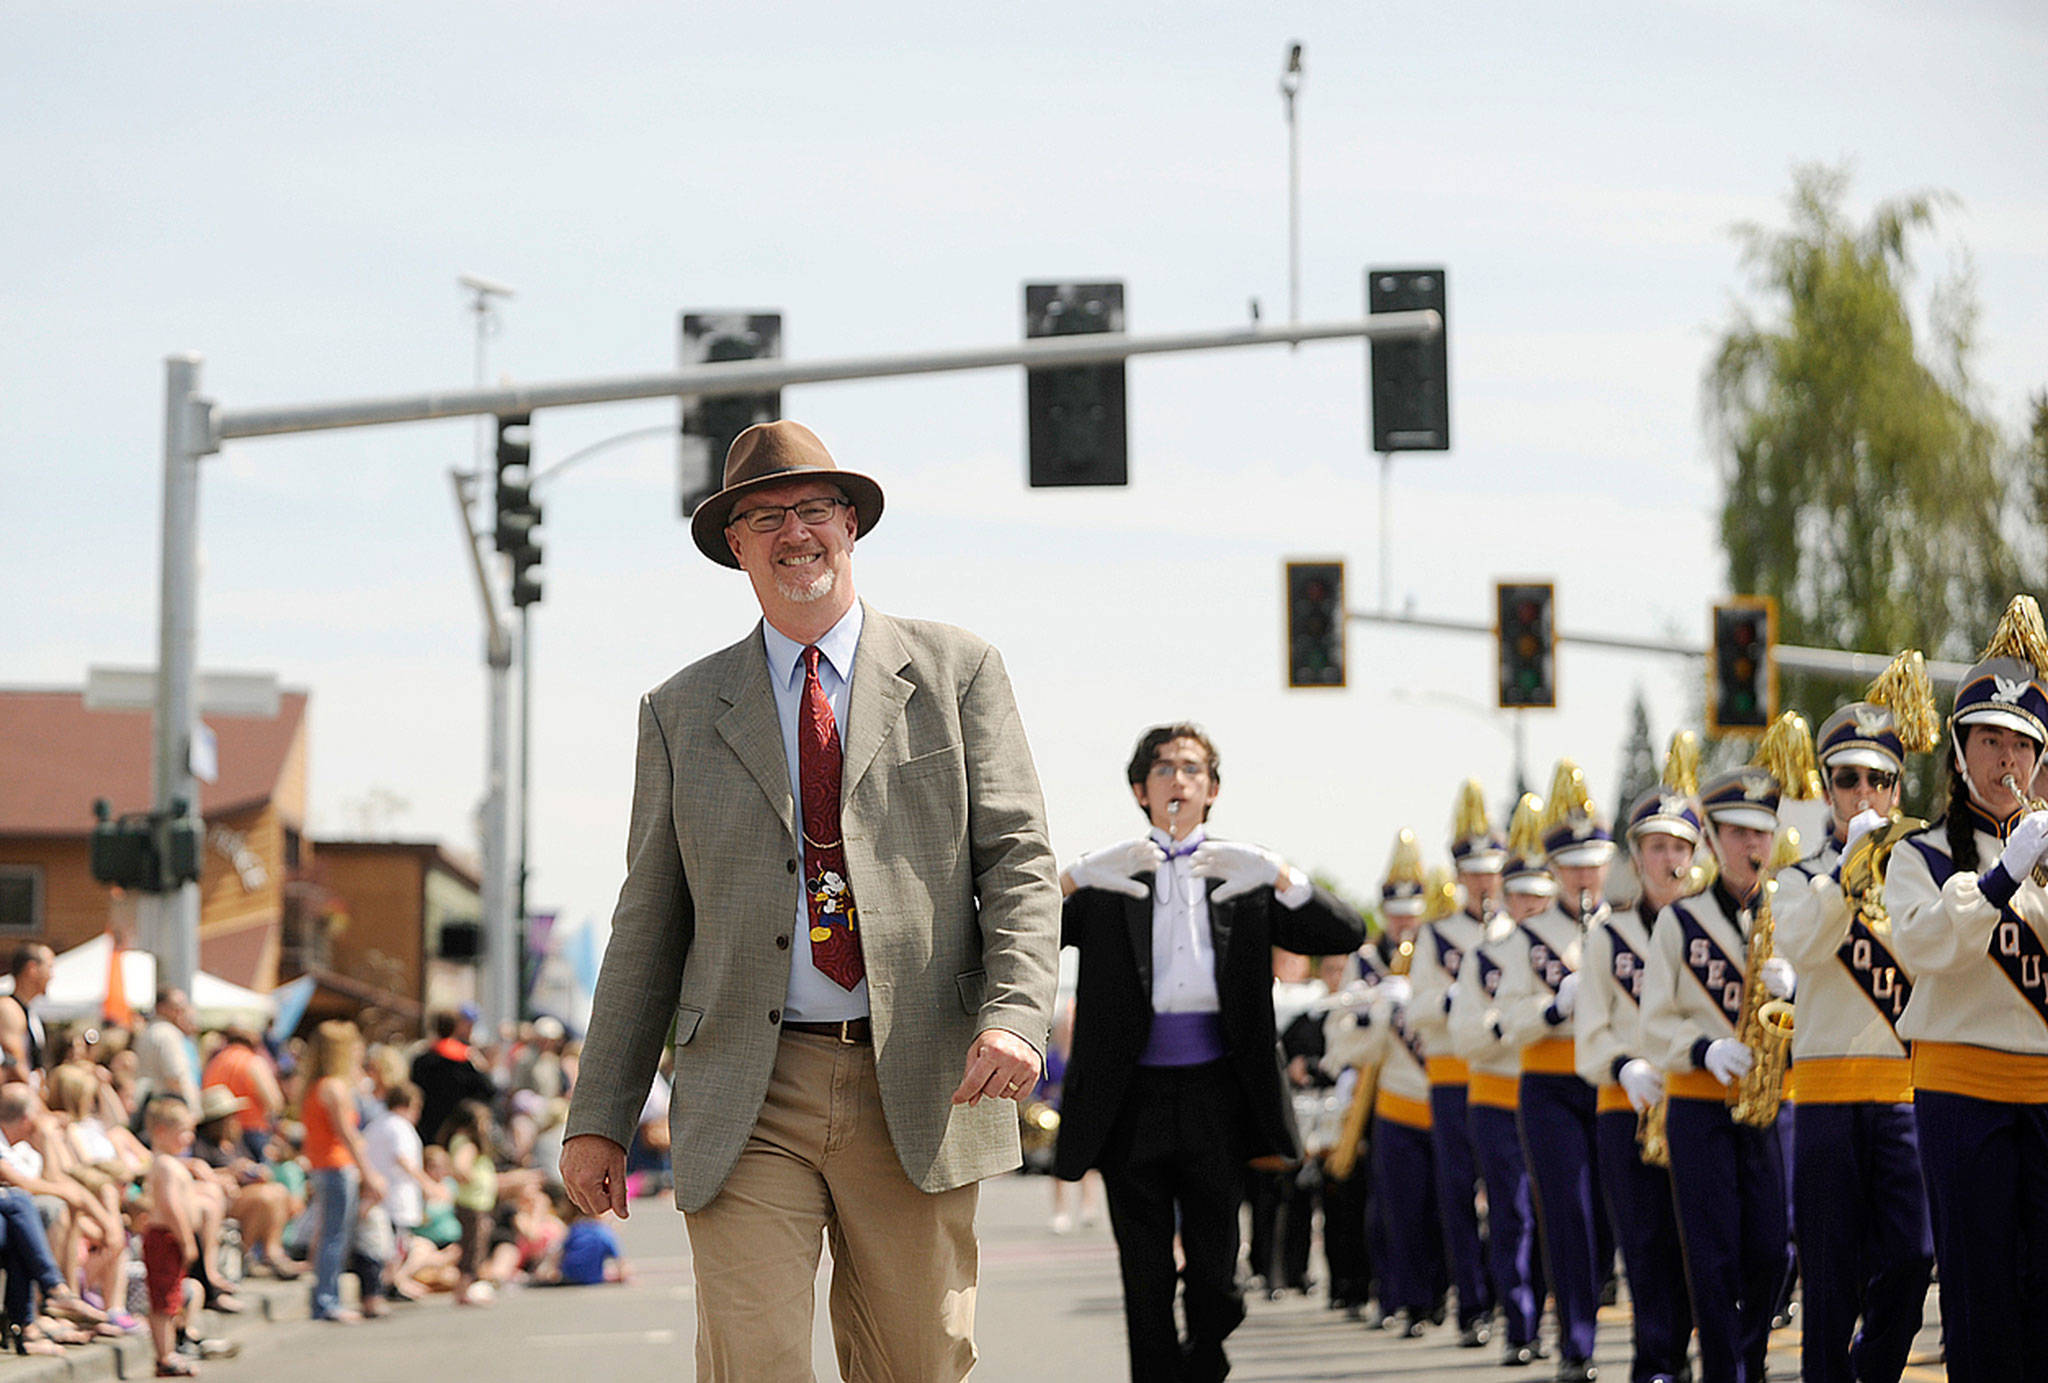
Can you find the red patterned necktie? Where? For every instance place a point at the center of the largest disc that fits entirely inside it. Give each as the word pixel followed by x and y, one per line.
pixel 835 924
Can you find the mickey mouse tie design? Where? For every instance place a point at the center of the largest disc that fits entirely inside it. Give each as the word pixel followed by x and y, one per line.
pixel 835 925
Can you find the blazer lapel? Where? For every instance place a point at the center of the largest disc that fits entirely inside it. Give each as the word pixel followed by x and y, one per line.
pixel 749 725
pixel 1138 921
pixel 876 699
pixel 1221 917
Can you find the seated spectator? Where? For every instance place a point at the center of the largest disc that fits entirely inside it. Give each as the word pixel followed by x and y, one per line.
pixel 256 1203
pixel 26 1259
pixel 71 1214
pixel 526 1233
pixel 246 1071
pixel 590 1251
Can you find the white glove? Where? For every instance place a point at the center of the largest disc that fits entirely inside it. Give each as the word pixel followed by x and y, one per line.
pixel 1395 991
pixel 1241 867
pixel 1450 995
pixel 2024 846
pixel 1112 866
pixel 1780 979
pixel 1642 1083
pixel 1567 995
pixel 1728 1061
pixel 1861 825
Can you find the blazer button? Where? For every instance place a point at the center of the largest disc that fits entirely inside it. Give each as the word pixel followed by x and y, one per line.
pixel 792 866
pixel 782 943
pixel 775 1015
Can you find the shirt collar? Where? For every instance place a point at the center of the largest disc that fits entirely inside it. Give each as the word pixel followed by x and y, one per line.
pixel 837 646
pixel 1186 847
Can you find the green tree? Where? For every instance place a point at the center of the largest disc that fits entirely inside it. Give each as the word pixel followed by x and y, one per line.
pixel 1863 478
pixel 1641 768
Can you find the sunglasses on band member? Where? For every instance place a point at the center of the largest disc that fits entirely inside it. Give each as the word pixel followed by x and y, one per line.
pixel 1845 779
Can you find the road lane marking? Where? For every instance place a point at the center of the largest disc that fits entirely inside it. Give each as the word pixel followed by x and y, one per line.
pixel 645 1337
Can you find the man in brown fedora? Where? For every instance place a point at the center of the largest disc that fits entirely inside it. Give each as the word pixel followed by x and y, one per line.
pixel 840 895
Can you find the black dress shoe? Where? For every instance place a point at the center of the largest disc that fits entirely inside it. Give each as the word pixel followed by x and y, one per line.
pixel 1205 1362
pixel 1576 1371
pixel 1416 1326
pixel 1474 1335
pixel 1518 1356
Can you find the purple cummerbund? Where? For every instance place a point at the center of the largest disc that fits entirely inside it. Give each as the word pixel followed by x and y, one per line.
pixel 1183 1039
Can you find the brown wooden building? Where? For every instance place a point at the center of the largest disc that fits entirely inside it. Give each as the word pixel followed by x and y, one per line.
pixel 57 756
pixel 406 936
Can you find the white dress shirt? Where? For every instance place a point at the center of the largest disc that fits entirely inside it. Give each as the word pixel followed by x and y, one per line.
pixel 1183 948
pixel 812 997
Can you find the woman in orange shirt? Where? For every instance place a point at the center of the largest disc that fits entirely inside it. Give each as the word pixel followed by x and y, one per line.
pixel 335 1154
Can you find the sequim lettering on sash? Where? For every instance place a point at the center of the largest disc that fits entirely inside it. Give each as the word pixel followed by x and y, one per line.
pixel 1876 971
pixel 2019 953
pixel 1626 965
pixel 1718 975
pixel 1549 966
pixel 1447 955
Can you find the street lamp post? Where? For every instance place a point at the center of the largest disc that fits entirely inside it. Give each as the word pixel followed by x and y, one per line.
pixel 1290 87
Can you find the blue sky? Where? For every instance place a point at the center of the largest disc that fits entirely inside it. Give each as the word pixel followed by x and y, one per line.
pixel 290 190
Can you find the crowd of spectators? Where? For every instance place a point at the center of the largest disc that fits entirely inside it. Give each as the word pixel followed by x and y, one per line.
pixel 145 1170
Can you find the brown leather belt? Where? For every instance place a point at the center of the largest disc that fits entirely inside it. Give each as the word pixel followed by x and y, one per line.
pixel 853 1032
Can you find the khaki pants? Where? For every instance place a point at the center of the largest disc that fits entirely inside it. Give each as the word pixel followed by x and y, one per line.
pixel 819 1162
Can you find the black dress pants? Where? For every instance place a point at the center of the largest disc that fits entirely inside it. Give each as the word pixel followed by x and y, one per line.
pixel 1175 1159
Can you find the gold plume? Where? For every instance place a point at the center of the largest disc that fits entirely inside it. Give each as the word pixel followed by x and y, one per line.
pixel 1682 763
pixel 1568 796
pixel 1470 819
pixel 1786 851
pixel 1786 753
pixel 2019 635
pixel 1440 895
pixel 1904 690
pixel 1405 867
pixel 1525 832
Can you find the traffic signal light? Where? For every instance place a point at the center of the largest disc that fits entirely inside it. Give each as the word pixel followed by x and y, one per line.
pixel 710 425
pixel 1411 380
pixel 518 515
pixel 1526 627
pixel 1075 413
pixel 1315 624
pixel 146 852
pixel 1742 671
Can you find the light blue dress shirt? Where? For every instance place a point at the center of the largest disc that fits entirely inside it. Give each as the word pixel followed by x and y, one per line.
pixel 812 997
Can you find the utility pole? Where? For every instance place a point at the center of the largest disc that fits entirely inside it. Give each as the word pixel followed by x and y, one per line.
pixel 1290 87
pixel 498 968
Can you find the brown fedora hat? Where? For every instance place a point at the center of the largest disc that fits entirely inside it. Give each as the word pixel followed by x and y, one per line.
pixel 775 454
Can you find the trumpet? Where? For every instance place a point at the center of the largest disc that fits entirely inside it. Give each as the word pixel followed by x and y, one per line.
pixel 1864 866
pixel 2032 804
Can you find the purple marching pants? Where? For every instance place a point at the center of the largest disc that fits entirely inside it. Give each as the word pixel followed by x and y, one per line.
pixel 1557 1139
pixel 1404 1175
pixel 1510 1220
pixel 1986 1168
pixel 1457 1202
pixel 1865 1249
pixel 1646 1225
pixel 1728 1181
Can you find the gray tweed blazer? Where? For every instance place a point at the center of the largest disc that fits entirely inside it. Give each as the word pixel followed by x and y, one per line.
pixel 947 854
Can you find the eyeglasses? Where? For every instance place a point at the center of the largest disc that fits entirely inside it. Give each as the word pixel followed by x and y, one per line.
pixel 1163 770
pixel 1846 779
pixel 768 517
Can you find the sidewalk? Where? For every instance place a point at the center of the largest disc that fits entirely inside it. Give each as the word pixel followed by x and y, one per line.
pixel 265 1301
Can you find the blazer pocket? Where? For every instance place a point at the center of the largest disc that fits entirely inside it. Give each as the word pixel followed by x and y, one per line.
pixel 950 758
pixel 973 987
pixel 687 1019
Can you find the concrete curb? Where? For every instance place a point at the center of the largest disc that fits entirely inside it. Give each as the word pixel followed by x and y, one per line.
pixel 267 1302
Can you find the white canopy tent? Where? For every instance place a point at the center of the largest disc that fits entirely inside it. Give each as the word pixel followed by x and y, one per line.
pixel 78 988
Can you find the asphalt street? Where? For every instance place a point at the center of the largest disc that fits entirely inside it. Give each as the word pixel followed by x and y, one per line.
pixel 1050 1307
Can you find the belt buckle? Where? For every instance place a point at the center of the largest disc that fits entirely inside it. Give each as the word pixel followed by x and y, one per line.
pixel 846 1032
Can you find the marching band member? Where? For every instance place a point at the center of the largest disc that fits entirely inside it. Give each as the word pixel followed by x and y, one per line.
pixel 1440 949
pixel 1727 1177
pixel 1865 1247
pixel 1171 1086
pixel 1663 832
pixel 1494 1091
pixel 1403 1167
pixel 1969 916
pixel 1538 990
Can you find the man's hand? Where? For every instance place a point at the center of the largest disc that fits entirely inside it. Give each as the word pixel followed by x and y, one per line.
pixel 1113 866
pixel 1642 1083
pixel 1241 867
pixel 1728 1061
pixel 1000 1066
pixel 594 1174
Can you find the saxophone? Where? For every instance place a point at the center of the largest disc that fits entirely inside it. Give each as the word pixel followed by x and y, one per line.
pixel 1766 1028
pixel 1342 1158
pixel 1652 1145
